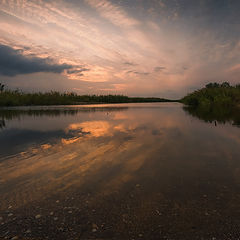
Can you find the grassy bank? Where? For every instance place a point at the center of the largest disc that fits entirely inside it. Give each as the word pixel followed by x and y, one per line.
pixel 214 95
pixel 18 98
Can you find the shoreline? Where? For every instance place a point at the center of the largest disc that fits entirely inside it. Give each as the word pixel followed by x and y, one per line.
pixel 85 103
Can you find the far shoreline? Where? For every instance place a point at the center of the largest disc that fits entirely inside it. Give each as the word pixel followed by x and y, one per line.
pixel 14 98
pixel 84 104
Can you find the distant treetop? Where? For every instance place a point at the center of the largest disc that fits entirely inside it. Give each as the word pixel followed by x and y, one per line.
pixel 216 85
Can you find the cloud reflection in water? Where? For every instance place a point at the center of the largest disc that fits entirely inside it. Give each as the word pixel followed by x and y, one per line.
pixel 108 149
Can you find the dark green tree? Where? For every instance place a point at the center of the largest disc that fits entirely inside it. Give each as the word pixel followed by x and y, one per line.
pixel 212 85
pixel 225 84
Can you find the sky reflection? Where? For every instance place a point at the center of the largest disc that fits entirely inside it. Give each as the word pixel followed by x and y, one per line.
pixel 107 150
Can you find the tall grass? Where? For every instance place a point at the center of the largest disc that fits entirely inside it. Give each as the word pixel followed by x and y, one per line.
pixel 19 98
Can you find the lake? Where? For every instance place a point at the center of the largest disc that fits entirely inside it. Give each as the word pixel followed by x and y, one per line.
pixel 122 171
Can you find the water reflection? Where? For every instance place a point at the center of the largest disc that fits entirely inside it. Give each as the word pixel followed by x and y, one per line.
pixel 2 123
pixel 216 115
pixel 56 149
pixel 153 157
pixel 52 111
pixel 32 126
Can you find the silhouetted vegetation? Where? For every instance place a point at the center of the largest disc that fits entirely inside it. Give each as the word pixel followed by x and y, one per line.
pixel 215 102
pixel 216 114
pixel 2 123
pixel 13 113
pixel 19 98
pixel 214 95
pixel 7 114
pixel 1 87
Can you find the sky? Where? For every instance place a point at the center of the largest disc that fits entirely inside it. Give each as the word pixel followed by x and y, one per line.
pixel 159 48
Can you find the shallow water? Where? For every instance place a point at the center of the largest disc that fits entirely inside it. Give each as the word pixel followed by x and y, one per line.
pixel 127 171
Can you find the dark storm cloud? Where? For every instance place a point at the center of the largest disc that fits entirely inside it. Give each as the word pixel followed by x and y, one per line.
pixel 13 63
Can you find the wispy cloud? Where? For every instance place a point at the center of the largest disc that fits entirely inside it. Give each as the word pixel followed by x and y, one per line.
pixel 159 69
pixel 113 13
pixel 130 64
pixel 138 73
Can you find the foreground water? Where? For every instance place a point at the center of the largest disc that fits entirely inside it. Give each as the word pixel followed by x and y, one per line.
pixel 128 171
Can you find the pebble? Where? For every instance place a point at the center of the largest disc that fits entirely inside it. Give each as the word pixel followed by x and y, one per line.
pixel 57 201
pixel 55 219
pixel 51 213
pixel 38 216
pixel 28 231
pixel 95 227
pixel 69 211
pixel 10 214
pixel 140 235
pixel 158 213
pixel 1 219
pixel 9 207
pixel 14 238
pixel 137 185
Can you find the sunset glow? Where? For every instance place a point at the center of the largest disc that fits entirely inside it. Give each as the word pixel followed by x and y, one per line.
pixel 138 48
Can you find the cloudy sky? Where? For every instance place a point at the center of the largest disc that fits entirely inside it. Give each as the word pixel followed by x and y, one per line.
pixel 163 48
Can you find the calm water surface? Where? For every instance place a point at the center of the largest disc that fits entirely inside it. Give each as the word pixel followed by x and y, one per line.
pixel 127 171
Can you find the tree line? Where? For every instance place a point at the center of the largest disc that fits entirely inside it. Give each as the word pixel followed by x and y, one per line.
pixel 19 98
